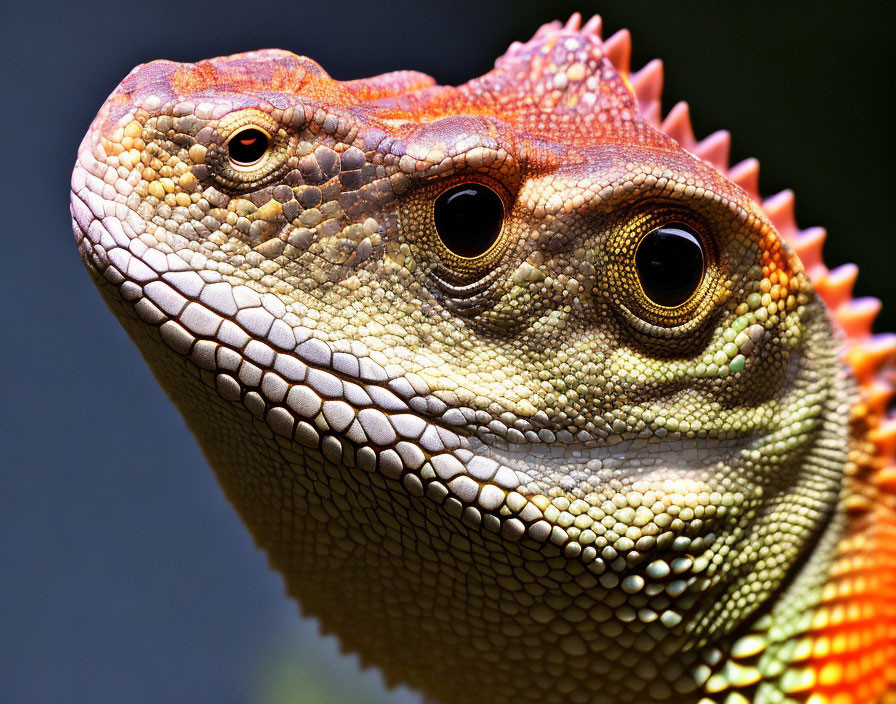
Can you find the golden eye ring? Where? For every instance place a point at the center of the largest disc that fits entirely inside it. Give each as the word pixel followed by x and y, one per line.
pixel 663 272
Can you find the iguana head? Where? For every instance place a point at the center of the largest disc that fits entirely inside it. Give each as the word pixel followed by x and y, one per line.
pixel 514 315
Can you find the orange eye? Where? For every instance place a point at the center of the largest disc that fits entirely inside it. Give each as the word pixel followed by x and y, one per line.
pixel 247 146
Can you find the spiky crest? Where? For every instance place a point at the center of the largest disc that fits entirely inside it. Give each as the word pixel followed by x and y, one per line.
pixel 859 607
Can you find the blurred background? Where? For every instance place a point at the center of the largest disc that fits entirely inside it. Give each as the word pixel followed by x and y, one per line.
pixel 126 577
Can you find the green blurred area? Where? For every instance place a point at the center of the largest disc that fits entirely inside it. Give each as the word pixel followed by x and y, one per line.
pixel 301 673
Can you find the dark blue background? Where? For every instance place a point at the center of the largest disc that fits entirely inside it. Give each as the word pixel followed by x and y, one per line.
pixel 125 575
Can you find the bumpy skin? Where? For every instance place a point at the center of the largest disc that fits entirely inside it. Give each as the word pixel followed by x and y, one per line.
pixel 510 478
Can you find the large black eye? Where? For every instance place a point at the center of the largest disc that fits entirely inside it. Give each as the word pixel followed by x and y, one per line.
pixel 468 219
pixel 670 264
pixel 247 146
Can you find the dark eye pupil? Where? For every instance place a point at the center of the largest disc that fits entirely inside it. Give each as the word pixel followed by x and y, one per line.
pixel 670 264
pixel 468 219
pixel 247 146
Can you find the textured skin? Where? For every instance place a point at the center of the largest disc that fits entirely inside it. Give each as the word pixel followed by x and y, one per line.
pixel 511 478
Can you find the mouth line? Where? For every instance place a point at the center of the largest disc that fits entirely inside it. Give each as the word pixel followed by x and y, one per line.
pixel 579 469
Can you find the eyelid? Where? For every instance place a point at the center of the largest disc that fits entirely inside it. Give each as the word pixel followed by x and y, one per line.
pixel 451 266
pixel 239 176
pixel 621 285
pixel 660 331
pixel 245 128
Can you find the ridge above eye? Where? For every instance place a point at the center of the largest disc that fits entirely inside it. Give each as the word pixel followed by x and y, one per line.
pixel 670 262
pixel 468 219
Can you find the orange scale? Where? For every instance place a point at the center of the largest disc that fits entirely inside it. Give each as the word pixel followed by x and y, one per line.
pixel 868 356
pixel 780 210
pixel 809 245
pixel 856 316
pixel 885 479
pixel 618 49
pixel 715 149
pixel 746 175
pixel 678 125
pixel 836 287
pixel 842 698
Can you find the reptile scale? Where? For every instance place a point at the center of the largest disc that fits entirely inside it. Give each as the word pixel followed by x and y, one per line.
pixel 525 392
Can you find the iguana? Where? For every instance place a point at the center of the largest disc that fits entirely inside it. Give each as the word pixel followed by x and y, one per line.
pixel 524 390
